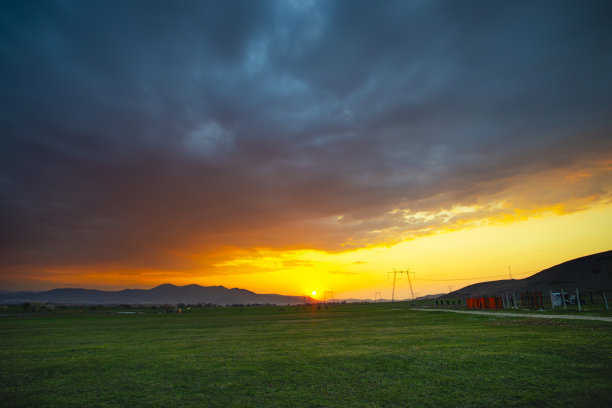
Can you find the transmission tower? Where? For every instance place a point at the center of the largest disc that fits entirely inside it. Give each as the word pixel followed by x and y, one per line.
pixel 408 272
pixel 331 294
pixel 394 276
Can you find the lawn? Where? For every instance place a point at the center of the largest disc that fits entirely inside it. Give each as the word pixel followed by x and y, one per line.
pixel 378 355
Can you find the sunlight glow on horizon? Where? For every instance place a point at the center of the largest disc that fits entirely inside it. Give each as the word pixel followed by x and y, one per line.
pixel 531 225
pixel 263 160
pixel 447 258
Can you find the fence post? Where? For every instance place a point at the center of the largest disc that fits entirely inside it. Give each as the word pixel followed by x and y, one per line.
pixel 578 300
pixel 541 300
pixel 603 294
pixel 563 299
pixel 552 302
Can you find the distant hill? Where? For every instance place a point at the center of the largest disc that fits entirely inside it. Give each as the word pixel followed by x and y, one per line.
pixel 429 296
pixel 166 293
pixel 588 273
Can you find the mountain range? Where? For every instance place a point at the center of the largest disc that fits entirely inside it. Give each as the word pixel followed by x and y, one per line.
pixel 166 293
pixel 588 273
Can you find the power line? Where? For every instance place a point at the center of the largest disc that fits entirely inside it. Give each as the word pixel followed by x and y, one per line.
pixel 458 279
pixel 465 279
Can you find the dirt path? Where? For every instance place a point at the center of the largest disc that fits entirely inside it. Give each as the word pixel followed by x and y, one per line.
pixel 537 316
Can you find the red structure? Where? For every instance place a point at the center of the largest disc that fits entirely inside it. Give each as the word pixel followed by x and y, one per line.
pixel 485 303
pixel 532 300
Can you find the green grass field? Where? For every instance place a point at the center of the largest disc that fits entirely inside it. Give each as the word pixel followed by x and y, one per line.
pixel 379 355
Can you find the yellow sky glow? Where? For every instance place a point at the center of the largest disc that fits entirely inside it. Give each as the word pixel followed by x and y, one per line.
pixel 439 260
pixel 529 226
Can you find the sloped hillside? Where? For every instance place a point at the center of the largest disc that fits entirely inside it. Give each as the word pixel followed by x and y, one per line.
pixel 588 273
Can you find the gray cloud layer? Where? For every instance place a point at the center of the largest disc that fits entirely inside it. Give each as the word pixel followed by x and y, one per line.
pixel 133 128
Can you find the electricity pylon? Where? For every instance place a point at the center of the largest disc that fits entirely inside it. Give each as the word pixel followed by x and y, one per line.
pixel 394 275
pixel 332 296
pixel 408 272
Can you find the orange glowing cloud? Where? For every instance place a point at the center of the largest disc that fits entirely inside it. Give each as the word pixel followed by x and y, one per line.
pixel 310 259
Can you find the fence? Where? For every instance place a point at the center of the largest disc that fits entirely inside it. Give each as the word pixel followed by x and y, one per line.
pixel 557 300
pixel 485 303
pixel 453 302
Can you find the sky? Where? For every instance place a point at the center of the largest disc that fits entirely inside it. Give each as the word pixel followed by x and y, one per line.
pixel 291 146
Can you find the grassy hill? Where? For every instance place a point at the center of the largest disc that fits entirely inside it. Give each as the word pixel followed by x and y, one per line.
pixel 588 273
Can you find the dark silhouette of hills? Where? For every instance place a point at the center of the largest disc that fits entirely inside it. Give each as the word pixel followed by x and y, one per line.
pixel 588 273
pixel 166 293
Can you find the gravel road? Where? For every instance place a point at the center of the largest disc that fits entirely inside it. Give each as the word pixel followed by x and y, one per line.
pixel 536 315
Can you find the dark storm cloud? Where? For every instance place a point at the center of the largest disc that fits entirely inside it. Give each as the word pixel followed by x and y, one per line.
pixel 134 128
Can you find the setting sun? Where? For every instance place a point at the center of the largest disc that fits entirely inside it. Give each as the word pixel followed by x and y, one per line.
pixel 239 177
pixel 189 171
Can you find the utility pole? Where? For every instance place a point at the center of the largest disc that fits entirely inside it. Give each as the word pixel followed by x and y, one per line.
pixel 510 272
pixel 377 296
